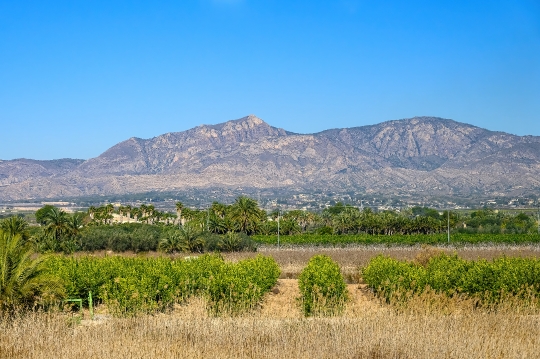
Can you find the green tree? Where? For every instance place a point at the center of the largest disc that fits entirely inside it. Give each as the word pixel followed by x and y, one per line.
pixel 246 213
pixel 190 239
pixel 170 243
pixel 56 222
pixel 15 225
pixel 41 213
pixel 179 208
pixel 24 281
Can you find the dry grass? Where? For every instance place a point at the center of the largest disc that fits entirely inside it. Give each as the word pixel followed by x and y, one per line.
pixel 366 330
pixel 432 326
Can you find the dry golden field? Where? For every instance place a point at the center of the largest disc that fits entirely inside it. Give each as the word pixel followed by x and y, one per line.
pixel 431 327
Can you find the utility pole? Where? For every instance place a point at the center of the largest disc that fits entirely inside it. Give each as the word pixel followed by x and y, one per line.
pixel 279 214
pixel 538 216
pixel 448 216
pixel 207 217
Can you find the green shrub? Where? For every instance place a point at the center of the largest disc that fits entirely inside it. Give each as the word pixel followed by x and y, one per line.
pixel 130 286
pixel 490 281
pixel 239 287
pixel 136 237
pixel 322 288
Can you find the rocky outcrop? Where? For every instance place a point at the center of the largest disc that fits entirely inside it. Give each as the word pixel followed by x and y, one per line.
pixel 422 155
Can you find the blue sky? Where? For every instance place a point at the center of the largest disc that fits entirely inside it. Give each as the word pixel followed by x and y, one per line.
pixel 78 77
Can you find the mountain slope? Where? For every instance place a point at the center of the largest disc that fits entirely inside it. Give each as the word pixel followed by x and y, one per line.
pixel 419 156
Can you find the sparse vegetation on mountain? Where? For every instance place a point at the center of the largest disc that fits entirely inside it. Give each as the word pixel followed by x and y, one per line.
pixel 412 157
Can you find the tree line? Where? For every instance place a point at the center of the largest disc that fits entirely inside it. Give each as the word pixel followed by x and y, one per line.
pixel 245 216
pixel 227 227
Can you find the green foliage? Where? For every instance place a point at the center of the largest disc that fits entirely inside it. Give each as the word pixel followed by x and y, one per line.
pixel 42 213
pixel 130 286
pixel 246 213
pixel 60 230
pixel 135 237
pixel 487 280
pixel 399 239
pixel 15 225
pixel 238 287
pixel 24 281
pixel 323 290
pixel 236 242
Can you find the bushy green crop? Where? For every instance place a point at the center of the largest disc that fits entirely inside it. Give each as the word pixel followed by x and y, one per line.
pixel 129 286
pixel 398 239
pixel 238 287
pixel 487 280
pixel 322 288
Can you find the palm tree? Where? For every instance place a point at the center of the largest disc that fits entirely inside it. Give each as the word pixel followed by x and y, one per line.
pixel 56 221
pixel 23 280
pixel 143 212
pixel 246 213
pixel 75 223
pixel 219 209
pixel 190 239
pixel 136 214
pixel 179 208
pixel 151 212
pixel 231 242
pixel 15 225
pixel 109 210
pixel 91 212
pixel 127 210
pixel 170 243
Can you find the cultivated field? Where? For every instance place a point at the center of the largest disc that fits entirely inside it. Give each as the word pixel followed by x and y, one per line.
pixel 292 259
pixel 366 330
pixel 430 327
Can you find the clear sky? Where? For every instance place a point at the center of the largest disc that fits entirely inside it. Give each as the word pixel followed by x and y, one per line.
pixel 77 77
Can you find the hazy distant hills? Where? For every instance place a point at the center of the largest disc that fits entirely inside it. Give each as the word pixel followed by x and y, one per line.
pixel 418 156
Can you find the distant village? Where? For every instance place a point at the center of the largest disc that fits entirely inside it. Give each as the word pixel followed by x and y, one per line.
pixel 314 202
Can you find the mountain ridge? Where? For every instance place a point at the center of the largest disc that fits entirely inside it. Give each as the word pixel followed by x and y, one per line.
pixel 398 157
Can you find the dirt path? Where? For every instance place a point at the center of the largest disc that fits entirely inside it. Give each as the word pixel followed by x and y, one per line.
pixel 282 302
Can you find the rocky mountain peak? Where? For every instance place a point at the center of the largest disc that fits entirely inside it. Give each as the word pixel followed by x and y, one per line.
pixel 244 129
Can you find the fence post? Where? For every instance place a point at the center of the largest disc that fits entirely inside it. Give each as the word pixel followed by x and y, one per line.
pixel 90 305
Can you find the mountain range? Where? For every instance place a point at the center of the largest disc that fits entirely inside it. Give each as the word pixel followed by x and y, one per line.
pixel 417 156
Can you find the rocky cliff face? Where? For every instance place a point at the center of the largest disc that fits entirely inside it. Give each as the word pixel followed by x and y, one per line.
pixel 422 155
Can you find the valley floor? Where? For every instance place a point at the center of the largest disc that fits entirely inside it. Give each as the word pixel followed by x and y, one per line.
pixel 367 328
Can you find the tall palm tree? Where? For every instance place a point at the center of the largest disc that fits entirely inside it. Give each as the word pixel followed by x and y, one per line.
pixel 109 210
pixel 127 210
pixel 151 212
pixel 136 214
pixel 246 212
pixel 56 221
pixel 219 209
pixel 216 224
pixel 23 279
pixel 179 208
